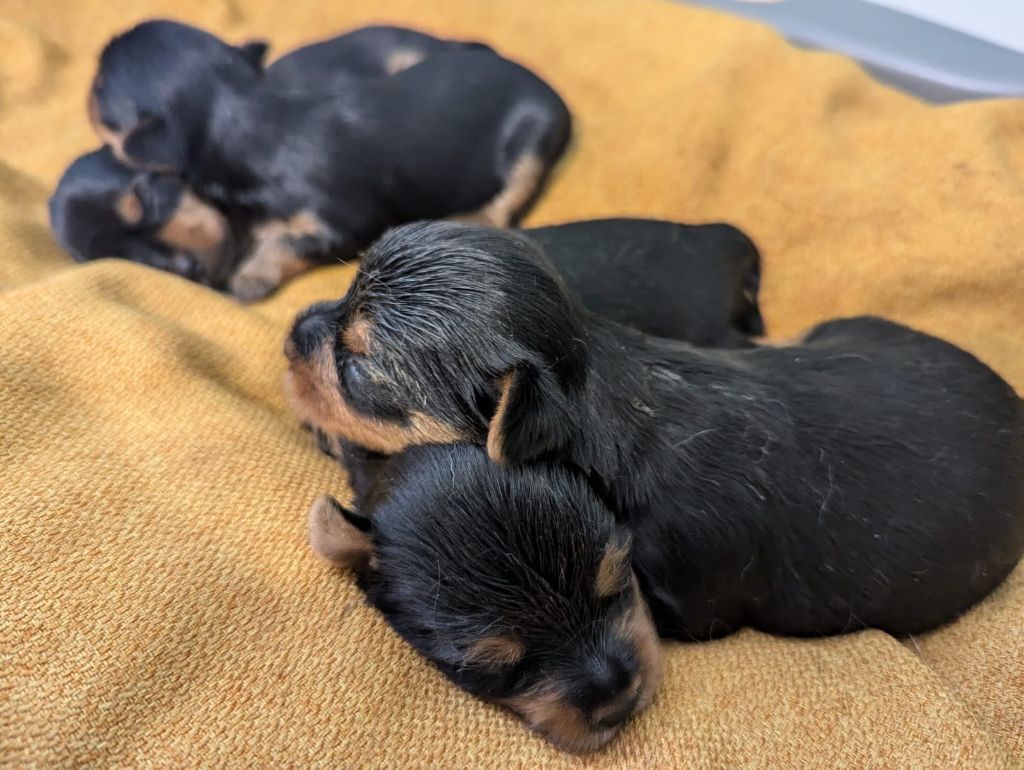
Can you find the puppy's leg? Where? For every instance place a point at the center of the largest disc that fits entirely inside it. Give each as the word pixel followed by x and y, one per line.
pixel 520 186
pixel 282 249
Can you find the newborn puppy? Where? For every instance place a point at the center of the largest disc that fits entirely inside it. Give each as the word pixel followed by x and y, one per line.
pixel 102 208
pixel 870 476
pixel 697 283
pixel 514 582
pixel 318 176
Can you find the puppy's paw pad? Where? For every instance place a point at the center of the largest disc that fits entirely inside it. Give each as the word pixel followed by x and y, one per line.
pixel 249 288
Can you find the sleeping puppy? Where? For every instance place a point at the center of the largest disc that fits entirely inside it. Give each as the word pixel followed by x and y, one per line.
pixel 870 476
pixel 102 208
pixel 317 177
pixel 514 582
pixel 697 283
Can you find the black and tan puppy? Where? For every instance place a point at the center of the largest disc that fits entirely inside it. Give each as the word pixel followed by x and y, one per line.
pixel 515 582
pixel 102 208
pixel 317 177
pixel 695 283
pixel 870 476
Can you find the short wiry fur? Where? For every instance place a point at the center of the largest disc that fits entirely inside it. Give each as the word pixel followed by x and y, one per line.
pixel 461 132
pixel 870 476
pixel 515 583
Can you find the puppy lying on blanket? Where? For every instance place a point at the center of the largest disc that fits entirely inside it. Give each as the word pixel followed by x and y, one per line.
pixel 515 582
pixel 697 283
pixel 870 476
pixel 317 176
pixel 103 208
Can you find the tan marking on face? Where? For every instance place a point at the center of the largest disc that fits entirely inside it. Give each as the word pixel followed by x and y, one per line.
pixel 547 710
pixel 402 59
pixel 637 625
pixel 357 335
pixel 523 180
pixel 495 651
pixel 129 208
pixel 113 139
pixel 334 540
pixel 496 432
pixel 313 390
pixel 198 228
pixel 614 570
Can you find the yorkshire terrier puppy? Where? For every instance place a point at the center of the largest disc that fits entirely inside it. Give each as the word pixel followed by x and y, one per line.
pixel 869 476
pixel 315 176
pixel 102 208
pixel 697 283
pixel 514 582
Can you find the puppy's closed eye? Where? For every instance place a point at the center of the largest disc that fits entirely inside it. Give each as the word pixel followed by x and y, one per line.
pixel 353 374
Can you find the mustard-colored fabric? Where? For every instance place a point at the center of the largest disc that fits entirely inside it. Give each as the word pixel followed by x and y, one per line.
pixel 159 606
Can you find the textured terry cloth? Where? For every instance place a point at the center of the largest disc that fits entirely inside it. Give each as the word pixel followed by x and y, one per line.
pixel 159 606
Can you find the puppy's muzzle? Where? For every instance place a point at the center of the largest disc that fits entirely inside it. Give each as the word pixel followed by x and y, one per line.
pixel 309 332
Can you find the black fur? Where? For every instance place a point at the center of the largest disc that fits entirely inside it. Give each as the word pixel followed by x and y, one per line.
pixel 464 550
pixel 697 283
pixel 363 53
pixel 87 226
pixel 82 208
pixel 440 138
pixel 871 476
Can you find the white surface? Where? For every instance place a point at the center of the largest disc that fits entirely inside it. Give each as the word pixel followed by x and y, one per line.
pixel 995 21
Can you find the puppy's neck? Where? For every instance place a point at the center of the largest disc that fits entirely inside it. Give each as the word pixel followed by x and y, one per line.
pixel 623 410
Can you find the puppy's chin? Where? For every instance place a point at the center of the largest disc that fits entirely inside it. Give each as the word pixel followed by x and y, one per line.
pixel 547 712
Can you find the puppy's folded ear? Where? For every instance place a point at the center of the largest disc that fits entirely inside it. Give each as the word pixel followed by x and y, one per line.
pixel 254 52
pixel 533 416
pixel 152 146
pixel 338 536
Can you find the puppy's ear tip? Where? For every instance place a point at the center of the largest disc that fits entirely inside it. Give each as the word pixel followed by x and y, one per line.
pixel 334 539
pixel 255 51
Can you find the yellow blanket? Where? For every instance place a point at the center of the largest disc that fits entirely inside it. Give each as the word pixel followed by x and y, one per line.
pixel 159 606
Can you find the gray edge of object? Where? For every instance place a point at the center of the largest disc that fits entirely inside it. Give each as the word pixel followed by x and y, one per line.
pixel 933 62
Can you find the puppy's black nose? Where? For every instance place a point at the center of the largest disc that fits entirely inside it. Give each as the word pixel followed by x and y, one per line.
pixel 308 334
pixel 607 690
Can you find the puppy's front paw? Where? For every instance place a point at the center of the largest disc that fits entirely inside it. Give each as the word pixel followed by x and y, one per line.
pixel 249 287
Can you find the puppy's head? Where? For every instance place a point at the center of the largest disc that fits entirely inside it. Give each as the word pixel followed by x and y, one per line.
pixel 104 209
pixel 155 86
pixel 449 332
pixel 516 583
